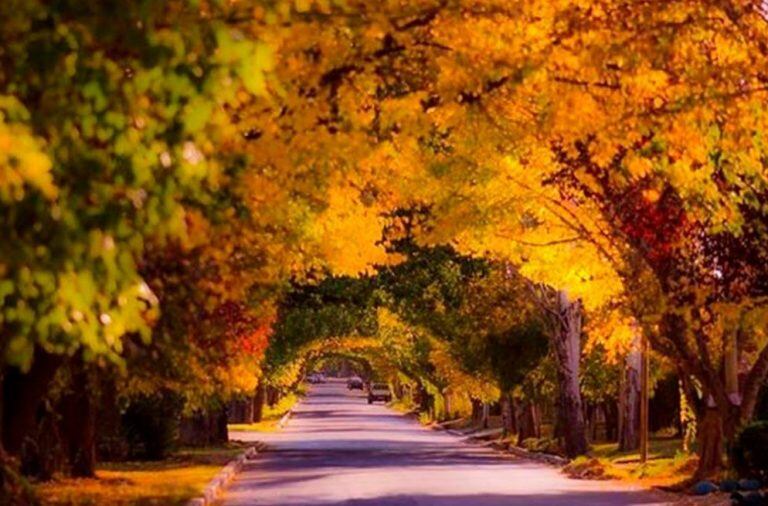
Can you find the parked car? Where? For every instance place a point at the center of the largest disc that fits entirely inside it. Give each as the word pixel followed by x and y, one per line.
pixel 316 377
pixel 379 392
pixel 354 383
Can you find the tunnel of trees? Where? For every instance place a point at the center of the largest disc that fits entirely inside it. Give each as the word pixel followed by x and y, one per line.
pixel 492 204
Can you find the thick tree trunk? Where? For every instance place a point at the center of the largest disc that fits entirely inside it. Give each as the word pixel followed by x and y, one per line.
pixel 710 439
pixel 78 409
pixel 22 394
pixel 629 400
pixel 567 346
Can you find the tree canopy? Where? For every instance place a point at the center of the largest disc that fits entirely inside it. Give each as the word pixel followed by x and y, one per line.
pixel 202 194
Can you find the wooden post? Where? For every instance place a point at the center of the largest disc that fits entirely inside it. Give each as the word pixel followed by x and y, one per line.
pixel 644 397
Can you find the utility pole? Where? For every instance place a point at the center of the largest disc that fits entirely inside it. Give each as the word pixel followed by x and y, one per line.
pixel 644 397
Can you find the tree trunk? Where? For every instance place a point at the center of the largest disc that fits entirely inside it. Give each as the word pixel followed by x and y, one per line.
pixel 22 394
pixel 447 405
pixel 567 346
pixel 590 417
pixel 258 402
pixel 193 430
pixel 248 409
pixel 234 410
pixel 688 409
pixel 221 432
pixel 611 421
pixel 477 411
pixel 753 384
pixel 507 414
pixel 629 400
pixel 527 422
pixel 79 423
pixel 426 401
pixel 486 415
pixel 205 428
pixel 272 395
pixel 710 439
pixel 731 366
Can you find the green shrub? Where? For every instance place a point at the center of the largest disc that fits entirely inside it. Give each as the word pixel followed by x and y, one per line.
pixel 541 445
pixel 749 453
pixel 425 418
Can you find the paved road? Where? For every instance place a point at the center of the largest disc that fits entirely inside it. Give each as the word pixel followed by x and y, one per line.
pixel 338 450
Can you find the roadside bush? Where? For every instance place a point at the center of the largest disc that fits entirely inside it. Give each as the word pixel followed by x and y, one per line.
pixel 425 418
pixel 542 445
pixel 586 468
pixel 749 453
pixel 14 489
pixel 150 425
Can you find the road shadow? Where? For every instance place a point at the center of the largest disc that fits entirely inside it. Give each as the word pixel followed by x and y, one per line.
pixel 592 498
pixel 373 453
pixel 607 498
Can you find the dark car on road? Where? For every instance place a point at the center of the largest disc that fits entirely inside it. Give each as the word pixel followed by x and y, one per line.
pixel 379 392
pixel 354 383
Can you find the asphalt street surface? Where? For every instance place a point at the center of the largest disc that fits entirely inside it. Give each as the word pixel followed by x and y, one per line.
pixel 338 450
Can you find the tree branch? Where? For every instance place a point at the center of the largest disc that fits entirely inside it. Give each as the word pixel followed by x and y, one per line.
pixel 586 84
pixel 753 384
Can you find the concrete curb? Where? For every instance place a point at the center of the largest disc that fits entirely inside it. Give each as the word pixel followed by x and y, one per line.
pixel 215 487
pixel 552 460
pixel 284 420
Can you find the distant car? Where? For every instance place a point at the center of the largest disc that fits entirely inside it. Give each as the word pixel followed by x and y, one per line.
pixel 354 383
pixel 316 377
pixel 379 392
